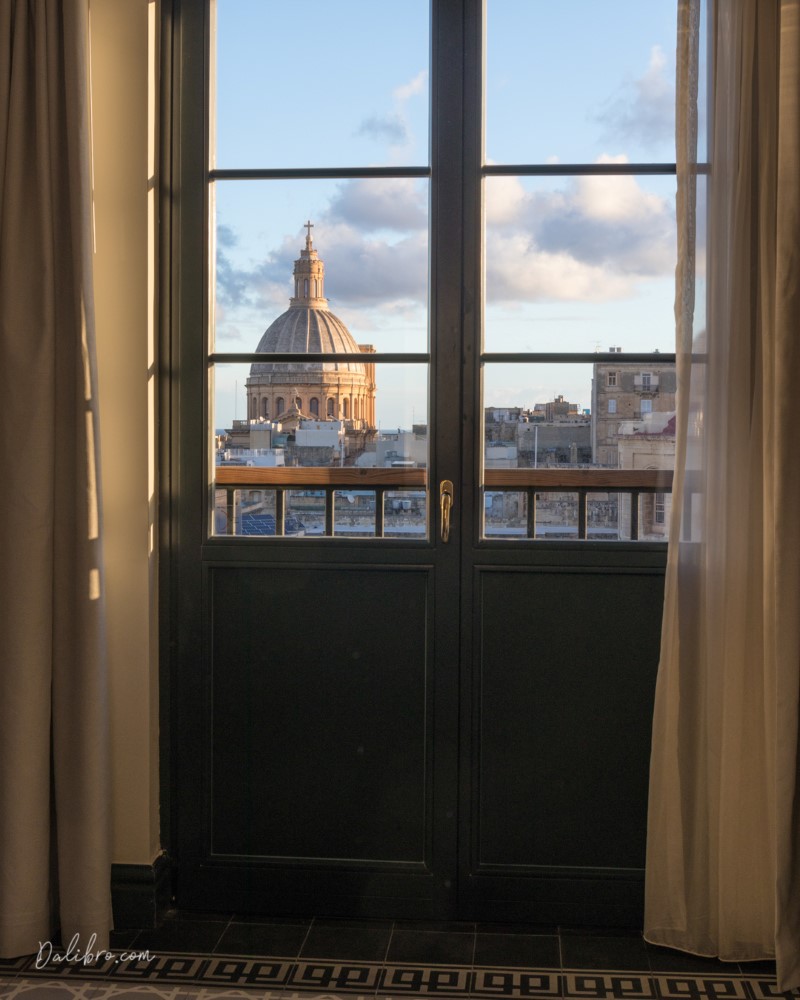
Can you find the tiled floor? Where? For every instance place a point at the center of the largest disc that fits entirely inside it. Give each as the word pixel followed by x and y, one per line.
pixel 193 957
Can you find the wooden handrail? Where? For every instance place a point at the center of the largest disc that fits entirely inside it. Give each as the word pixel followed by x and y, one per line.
pixel 302 477
pixel 566 479
pixel 544 479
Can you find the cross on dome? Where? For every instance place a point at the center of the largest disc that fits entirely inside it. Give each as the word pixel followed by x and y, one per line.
pixel 308 227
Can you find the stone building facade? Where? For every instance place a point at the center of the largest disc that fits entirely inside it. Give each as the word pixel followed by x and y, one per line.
pixel 627 397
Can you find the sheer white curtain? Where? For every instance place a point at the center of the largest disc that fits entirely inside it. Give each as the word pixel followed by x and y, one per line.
pixel 723 861
pixel 54 750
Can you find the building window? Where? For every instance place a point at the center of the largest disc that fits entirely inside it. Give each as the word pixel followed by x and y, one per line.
pixel 647 378
pixel 331 405
pixel 660 508
pixel 314 406
pixel 612 406
pixel 345 410
pixel 279 406
pixel 265 407
pixel 612 379
pixel 647 406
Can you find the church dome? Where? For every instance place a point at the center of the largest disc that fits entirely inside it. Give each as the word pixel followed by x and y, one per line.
pixel 310 329
pixel 308 326
pixel 320 388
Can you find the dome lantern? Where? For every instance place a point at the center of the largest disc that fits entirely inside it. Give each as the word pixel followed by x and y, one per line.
pixel 309 276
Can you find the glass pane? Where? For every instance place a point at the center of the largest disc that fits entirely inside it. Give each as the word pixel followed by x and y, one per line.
pixel 320 449
pixel 702 90
pixel 321 84
pixel 354 514
pixel 611 415
pixel 405 514
pixel 505 514
pixel 701 257
pixel 555 516
pixel 633 415
pixel 580 263
pixel 557 468
pixel 362 264
pixel 253 513
pixel 519 398
pixel 580 81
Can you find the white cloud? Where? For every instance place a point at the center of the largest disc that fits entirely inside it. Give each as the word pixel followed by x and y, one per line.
pixel 394 126
pixel 643 112
pixel 415 86
pixel 397 203
pixel 590 239
pixel 618 200
pixel 587 239
pixel 506 201
pixel 516 270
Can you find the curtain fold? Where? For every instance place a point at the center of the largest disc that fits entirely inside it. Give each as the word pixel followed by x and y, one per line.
pixel 723 856
pixel 54 743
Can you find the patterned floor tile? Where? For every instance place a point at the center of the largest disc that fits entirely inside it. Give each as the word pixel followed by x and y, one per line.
pixel 610 986
pixel 332 977
pixel 765 988
pixel 203 976
pixel 701 988
pixel 517 983
pixel 404 980
pixel 28 989
pixel 314 995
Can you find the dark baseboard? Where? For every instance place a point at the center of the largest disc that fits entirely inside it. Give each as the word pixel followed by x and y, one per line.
pixel 141 894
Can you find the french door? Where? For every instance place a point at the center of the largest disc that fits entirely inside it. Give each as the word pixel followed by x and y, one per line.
pixel 392 693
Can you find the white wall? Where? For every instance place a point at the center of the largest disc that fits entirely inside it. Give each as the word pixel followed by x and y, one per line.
pixel 123 107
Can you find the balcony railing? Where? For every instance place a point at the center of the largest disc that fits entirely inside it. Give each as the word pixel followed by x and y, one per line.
pixel 529 482
pixel 583 482
pixel 326 480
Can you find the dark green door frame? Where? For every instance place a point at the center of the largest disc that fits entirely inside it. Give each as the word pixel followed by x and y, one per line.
pixel 522 683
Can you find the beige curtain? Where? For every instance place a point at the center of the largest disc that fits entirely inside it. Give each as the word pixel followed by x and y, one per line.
pixel 723 860
pixel 54 814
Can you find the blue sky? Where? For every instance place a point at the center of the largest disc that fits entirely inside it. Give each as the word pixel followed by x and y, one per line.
pixel 571 263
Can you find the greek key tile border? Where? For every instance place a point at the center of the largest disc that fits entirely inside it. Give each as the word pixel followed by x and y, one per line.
pixel 292 979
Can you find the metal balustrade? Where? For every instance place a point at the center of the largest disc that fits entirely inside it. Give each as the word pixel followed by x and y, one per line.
pixel 582 482
pixel 283 480
pixel 531 483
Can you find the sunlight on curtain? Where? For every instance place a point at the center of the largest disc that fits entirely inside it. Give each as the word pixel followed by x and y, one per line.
pixel 54 745
pixel 723 856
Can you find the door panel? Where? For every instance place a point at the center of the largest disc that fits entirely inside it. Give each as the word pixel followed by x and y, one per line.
pixel 563 722
pixel 320 726
pixel 558 749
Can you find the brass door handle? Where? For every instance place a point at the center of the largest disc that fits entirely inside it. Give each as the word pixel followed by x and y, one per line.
pixel 445 506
